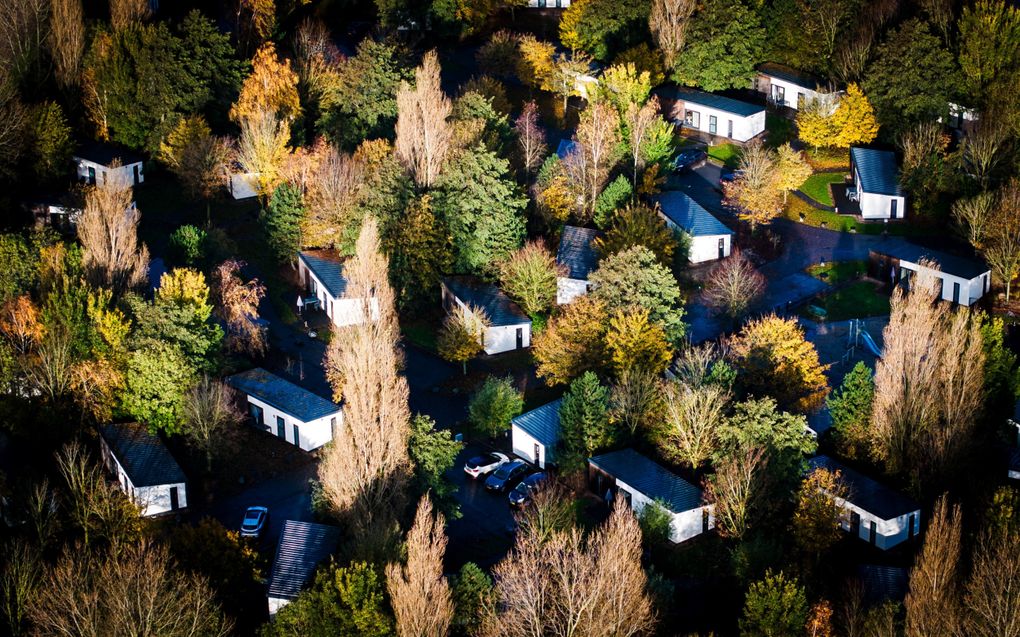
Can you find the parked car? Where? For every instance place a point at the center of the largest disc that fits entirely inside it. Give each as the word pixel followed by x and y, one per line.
pixel 506 476
pixel 521 494
pixel 730 174
pixel 484 465
pixel 254 521
pixel 689 159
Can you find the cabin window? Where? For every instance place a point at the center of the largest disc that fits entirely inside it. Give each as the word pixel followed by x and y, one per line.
pixel 692 119
pixel 713 124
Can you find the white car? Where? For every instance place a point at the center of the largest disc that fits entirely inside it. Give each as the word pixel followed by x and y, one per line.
pixel 484 465
pixel 254 521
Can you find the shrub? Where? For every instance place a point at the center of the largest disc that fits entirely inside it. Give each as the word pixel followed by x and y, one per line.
pixel 187 245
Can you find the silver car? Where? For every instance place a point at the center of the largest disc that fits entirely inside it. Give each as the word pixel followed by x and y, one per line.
pixel 254 521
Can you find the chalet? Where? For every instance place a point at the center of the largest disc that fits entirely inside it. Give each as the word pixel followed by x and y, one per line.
pixel 322 275
pixel 548 4
pixel 1013 471
pixel 577 259
pixel 960 280
pixel 244 185
pixel 875 513
pixel 509 327
pixel 144 468
pixel 302 547
pixel 710 239
pixel 962 120
pixel 94 164
pixel 783 86
pixel 640 481
pixel 714 115
pixel 875 191
pixel 287 411
pixel 536 434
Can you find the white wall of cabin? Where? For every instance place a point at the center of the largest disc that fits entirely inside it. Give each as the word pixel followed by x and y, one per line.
pixel 312 434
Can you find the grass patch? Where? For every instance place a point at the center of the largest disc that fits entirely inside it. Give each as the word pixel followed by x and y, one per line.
pixel 857 300
pixel 843 223
pixel 817 186
pixel 839 271
pixel 828 159
pixel 779 130
pixel 419 333
pixel 726 154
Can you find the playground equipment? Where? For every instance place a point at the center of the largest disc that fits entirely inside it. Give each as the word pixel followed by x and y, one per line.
pixel 855 336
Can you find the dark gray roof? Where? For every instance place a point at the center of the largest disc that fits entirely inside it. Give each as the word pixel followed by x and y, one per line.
pixel 576 252
pixel 883 583
pixel 711 100
pixel 282 394
pixel 542 424
pixel 489 298
pixel 949 263
pixel 651 479
pixel 565 147
pixel 878 171
pixel 104 154
pixel 143 455
pixel 303 546
pixel 866 493
pixel 689 215
pixel 787 74
pixel 327 269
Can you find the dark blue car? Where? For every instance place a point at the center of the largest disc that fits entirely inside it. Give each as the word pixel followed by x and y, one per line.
pixel 506 476
pixel 521 494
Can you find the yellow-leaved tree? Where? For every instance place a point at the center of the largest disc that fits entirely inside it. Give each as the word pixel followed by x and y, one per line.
pixel 822 123
pixel 572 24
pixel 272 86
pixel 636 343
pixel 792 170
pixel 854 119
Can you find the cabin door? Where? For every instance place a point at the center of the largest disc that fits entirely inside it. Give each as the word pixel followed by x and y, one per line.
pixel 92 176
pixel 956 292
pixel 281 427
pixel 297 436
pixel 729 128
pixel 136 174
pixel 893 208
pixel 520 337
pixel 174 501
pixel 855 523
pixel 722 248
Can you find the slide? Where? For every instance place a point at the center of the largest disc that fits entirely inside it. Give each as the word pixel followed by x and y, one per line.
pixel 870 344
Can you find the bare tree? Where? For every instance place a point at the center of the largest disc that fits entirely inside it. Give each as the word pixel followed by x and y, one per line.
pixel 932 603
pixel 668 21
pixel 982 151
pixel 262 148
pixel 530 138
pixel 19 582
pixel 24 32
pixel 992 597
pixel 735 489
pixel 636 400
pixel 98 509
pixel 928 383
pixel 694 363
pixel 124 13
pixel 134 591
pixel 419 594
pixel 237 303
pixel 13 125
pixel 362 364
pixel 974 215
pixel 333 198
pixel 67 41
pixel 108 230
pixel 692 418
pixel 639 122
pixel 424 134
pixel 598 143
pixel 734 286
pixel 315 55
pixel 208 410
pixel 565 584
pixel 1002 233
pixel 854 55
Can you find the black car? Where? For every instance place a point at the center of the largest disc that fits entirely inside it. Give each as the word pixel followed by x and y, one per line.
pixel 506 476
pixel 521 494
pixel 730 175
pixel 689 160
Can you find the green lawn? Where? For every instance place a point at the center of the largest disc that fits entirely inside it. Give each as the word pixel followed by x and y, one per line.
pixel 843 223
pixel 857 300
pixel 839 271
pixel 726 154
pixel 817 186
